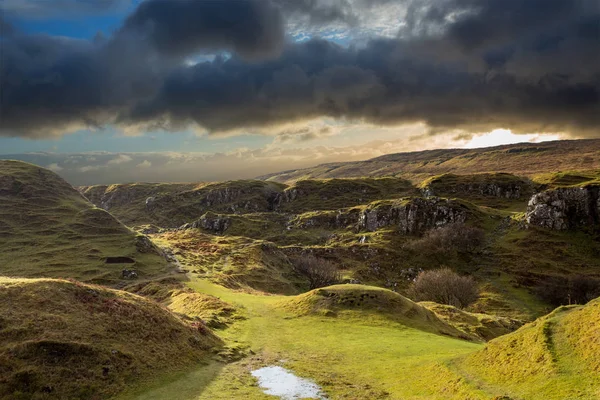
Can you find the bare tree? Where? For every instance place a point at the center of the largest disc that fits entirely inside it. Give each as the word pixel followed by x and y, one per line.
pixel 446 287
pixel 320 272
pixel 454 237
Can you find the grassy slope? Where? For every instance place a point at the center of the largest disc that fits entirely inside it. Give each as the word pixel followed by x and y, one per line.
pixel 555 357
pixel 468 187
pixel 48 229
pixel 62 339
pixel 526 159
pixel 358 354
pixel 352 356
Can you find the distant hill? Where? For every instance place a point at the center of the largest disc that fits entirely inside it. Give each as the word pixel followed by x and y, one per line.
pixel 47 229
pixel 524 159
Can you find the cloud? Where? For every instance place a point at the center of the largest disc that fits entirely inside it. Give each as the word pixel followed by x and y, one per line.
pixel 144 164
pixel 54 167
pixel 470 65
pixel 250 28
pixel 89 168
pixel 121 159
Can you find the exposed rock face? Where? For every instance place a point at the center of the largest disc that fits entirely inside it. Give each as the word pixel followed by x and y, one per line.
pixel 565 208
pixel 211 222
pixel 413 216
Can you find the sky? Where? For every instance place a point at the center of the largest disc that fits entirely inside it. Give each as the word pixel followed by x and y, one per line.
pixel 111 91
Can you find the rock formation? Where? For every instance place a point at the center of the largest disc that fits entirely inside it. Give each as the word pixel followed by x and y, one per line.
pixel 565 208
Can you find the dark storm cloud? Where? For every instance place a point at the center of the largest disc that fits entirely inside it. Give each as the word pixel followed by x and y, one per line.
pixel 529 65
pixel 250 28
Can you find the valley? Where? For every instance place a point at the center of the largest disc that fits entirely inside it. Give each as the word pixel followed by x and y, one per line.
pixel 191 287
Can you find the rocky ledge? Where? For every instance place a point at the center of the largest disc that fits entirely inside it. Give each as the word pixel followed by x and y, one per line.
pixel 413 216
pixel 565 208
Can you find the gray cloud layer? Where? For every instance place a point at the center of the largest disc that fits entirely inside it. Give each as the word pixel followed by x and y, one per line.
pixel 529 65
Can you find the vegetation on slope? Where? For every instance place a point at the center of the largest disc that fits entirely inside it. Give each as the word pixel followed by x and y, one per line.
pixel 483 326
pixel 184 301
pixel 235 262
pixel 496 190
pixel 358 355
pixel 367 302
pixel 48 229
pixel 555 357
pixel 66 340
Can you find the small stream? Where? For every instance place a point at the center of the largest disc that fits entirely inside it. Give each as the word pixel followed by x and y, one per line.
pixel 278 381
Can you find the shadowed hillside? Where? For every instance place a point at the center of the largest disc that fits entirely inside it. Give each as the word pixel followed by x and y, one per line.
pixel 48 229
pixel 66 340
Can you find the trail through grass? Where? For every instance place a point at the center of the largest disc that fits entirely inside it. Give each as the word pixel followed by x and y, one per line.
pixel 355 357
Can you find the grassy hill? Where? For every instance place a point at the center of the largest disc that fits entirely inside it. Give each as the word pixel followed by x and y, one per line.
pixel 524 159
pixel 66 340
pixel 369 302
pixel 48 229
pixel 555 357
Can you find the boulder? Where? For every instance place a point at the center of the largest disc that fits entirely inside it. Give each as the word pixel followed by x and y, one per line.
pixel 565 208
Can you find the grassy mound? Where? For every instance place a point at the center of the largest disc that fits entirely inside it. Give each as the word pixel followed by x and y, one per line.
pixel 496 190
pixel 555 357
pixel 182 300
pixel 483 326
pixel 49 230
pixel 369 302
pixel 332 194
pixel 67 340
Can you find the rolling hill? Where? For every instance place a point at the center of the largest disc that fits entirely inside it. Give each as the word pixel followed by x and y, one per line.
pixel 48 229
pixel 66 340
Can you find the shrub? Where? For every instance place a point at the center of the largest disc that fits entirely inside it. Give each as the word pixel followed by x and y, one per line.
pixel 320 272
pixel 559 291
pixel 445 287
pixel 454 237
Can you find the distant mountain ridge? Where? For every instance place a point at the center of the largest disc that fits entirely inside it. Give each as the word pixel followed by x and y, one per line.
pixel 524 159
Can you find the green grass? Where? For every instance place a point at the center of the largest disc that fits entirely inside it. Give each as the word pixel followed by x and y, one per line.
pixel 355 356
pixel 555 357
pixel 353 353
pixel 554 180
pixel 47 229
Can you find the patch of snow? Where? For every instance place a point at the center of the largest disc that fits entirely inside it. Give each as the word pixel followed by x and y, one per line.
pixel 278 381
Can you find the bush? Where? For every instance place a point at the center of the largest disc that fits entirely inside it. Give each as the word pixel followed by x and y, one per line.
pixel 445 287
pixel 320 272
pixel 560 291
pixel 454 237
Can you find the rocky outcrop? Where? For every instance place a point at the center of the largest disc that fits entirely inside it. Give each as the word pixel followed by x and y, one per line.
pixel 499 185
pixel 211 222
pixel 565 208
pixel 413 216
